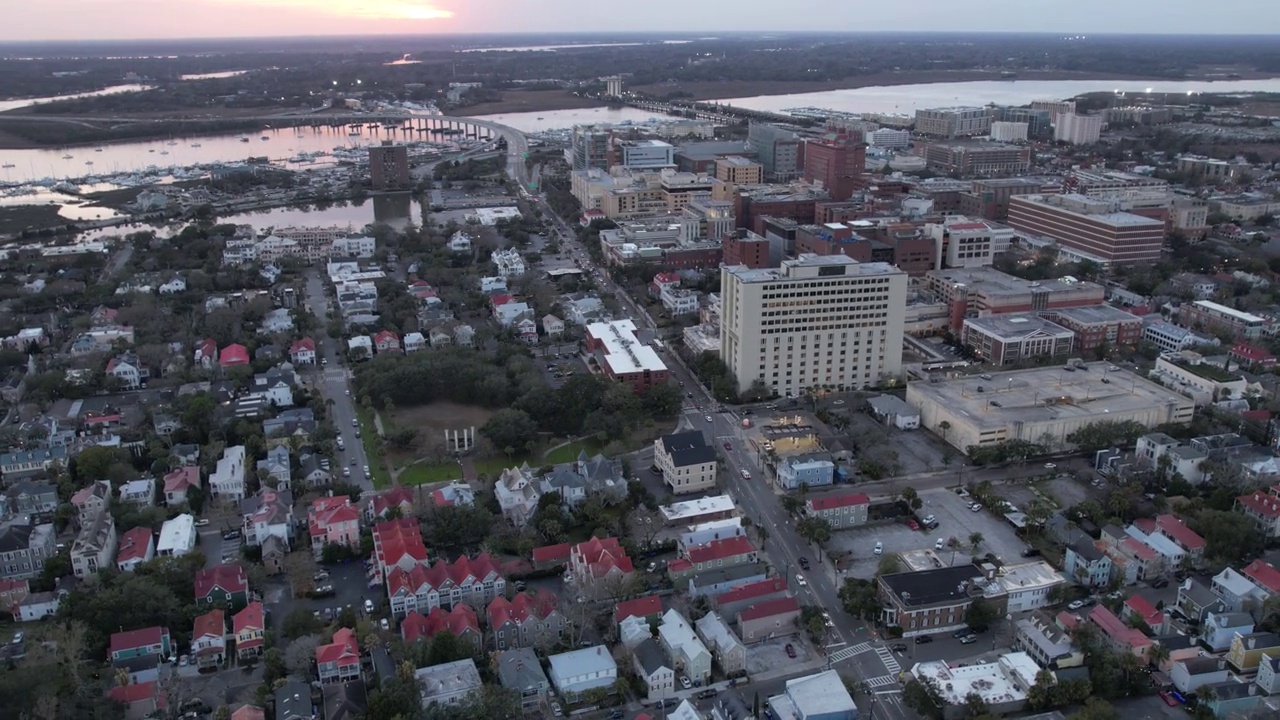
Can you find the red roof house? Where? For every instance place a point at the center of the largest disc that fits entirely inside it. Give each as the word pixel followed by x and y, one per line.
pixel 1117 634
pixel 135 547
pixel 140 699
pixel 207 352
pixel 225 583
pixel 398 543
pixel 549 555
pixel 1251 356
pixel 598 558
pixel 303 351
pixel 648 607
pixel 250 629
pixel 209 638
pixel 233 355
pixel 1173 528
pixel 386 341
pixel 461 622
pixel 1263 574
pixel 178 482
pixel 398 497
pixel 333 521
pixel 1141 607
pixel 249 712
pixel 339 661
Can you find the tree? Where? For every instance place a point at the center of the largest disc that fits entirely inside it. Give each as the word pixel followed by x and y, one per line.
pixel 889 564
pixel 300 655
pixel 944 426
pixel 510 428
pixel 923 697
pixel 1095 708
pixel 860 599
pixel 1227 541
pixel 975 539
pixel 911 498
pixel 975 705
pixel 980 615
pixel 299 623
pixel 791 503
pixel 815 530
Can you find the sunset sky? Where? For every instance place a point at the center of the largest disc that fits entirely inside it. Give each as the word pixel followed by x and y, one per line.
pixel 127 19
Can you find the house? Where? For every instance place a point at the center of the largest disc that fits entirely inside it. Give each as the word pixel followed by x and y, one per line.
pixel 140 700
pixel 448 683
pixel 18 463
pixel 597 559
pixel 1139 608
pixel 179 482
pixel 461 622
pixel 892 410
pixel 734 601
pixel 275 321
pixel 464 335
pixel 1220 629
pixel 840 510
pixel 1086 564
pixel 1265 576
pixel 1268 679
pixel 527 620
pixel 692 659
pixel 475 581
pixel 224 584
pixel 339 661
pixel 1232 698
pixel 313 470
pixel 209 639
pixel 517 496
pixel 26 497
pixel 206 353
pixel 508 262
pixel 233 355
pixel 128 371
pixel 552 326
pixel 94 547
pixel 769 619
pixel 139 493
pixel 386 341
pixel 274 550
pixel 293 701
pixel 460 242
pixel 398 544
pixel 687 462
pixel 717 554
pixel 38 606
pixel 12 593
pixel 653 668
pixel 1117 634
pixel 226 482
pixel 24 548
pixel 146 642
pixel 177 536
pixel 345 701
pixel 1046 642
pixel 90 501
pixel 1195 601
pixel 275 386
pixel 814 697
pixel 134 548
pixel 1236 590
pixel 577 671
pixel 399 499
pixel 268 514
pixel 726 649
pixel 647 608
pixel 303 352
pixel 1190 674
pixel 249 628
pixel 587 476
pixel 333 521
pixel 1246 650
pixel 414 341
pixel 520 671
pixel 456 493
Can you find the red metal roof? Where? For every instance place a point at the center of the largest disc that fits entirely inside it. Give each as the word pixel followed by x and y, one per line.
pixel 229 577
pixel 601 556
pixel 212 623
pixel 839 500
pixel 1144 609
pixel 1116 628
pixel 551 553
pixel 134 544
pixel 233 354
pixel 720 549
pixel 305 343
pixel 1263 573
pixel 755 589
pixel 1179 532
pixel 1261 504
pixel 134 692
pixel 343 650
pixel 769 608
pixel 137 638
pixel 639 607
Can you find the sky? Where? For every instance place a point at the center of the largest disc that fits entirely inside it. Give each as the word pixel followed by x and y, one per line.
pixel 137 19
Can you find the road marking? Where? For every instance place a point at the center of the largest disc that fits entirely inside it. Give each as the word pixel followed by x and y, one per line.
pixel 846 653
pixel 890 662
pixel 882 681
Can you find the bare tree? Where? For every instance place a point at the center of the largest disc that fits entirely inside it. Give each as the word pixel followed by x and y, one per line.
pixel 300 655
pixel 644 524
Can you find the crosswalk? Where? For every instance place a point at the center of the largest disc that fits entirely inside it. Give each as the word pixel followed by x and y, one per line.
pixel 882 681
pixel 890 662
pixel 845 653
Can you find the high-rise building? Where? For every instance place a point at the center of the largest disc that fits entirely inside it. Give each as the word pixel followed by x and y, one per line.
pixel 1039 122
pixel 1054 107
pixel 739 170
pixel 389 166
pixel 591 146
pixel 836 160
pixel 648 154
pixel 1096 229
pixel 1002 131
pixel 814 322
pixel 778 149
pixel 1077 129
pixel 954 122
pixel 743 247
pixel 889 138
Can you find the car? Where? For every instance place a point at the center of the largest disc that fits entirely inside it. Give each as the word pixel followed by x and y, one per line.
pixel 368 605
pixel 202 522
pixel 1075 604
pixel 923 639
pixel 366 471
pixel 1031 552
pixel 962 632
pixel 346 472
pixel 928 520
pixel 616 715
pixel 1168 699
pixel 728 447
pixel 707 418
pixel 689 395
pixel 322 591
pixel 651 567
pixel 804 563
pixel 939 544
pixel 879 547
pixel 685 682
pixel 328 614
pixel 355 422
pixel 521 585
pixel 1160 583
pixel 706 694
pixel 556 711
pixel 17 638
pixel 670 702
pixel 898 647
pixel 357 432
pixel 1050 466
pixel 184 661
pixel 976 507
pixel 320 576
pixel 384 624
pixel 791 651
pixel 324 361
pixel 913 524
pixel 231 535
pixel 745 475
pixel 347 392
pixel 826 619
pixel 968 639
pixel 800 580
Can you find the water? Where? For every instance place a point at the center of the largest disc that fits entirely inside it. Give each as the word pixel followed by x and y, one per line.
pixel 531 122
pixel 213 75
pixel 552 48
pixel 7 105
pixel 909 98
pixel 396 210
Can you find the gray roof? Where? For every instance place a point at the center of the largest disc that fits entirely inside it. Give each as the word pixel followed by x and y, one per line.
pixel 293 701
pixel 347 700
pixel 820 695
pixel 520 670
pixel 650 656
pixel 688 448
pixel 1086 549
pixel 1203 665
pixel 891 405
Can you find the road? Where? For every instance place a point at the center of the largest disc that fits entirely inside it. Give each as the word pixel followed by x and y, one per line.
pixel 333 379
pixel 851 645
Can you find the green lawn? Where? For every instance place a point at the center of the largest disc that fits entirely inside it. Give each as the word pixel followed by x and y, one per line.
pixel 569 453
pixel 425 474
pixel 377 463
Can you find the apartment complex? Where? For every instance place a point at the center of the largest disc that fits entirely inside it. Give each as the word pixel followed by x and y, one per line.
pixel 817 320
pixel 1095 229
pixel 977 158
pixel 836 160
pixel 779 150
pixel 954 122
pixel 1077 129
pixel 1215 318
pixel 389 166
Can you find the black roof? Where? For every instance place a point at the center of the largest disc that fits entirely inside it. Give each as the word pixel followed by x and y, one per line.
pixel 688 448
pixel 930 587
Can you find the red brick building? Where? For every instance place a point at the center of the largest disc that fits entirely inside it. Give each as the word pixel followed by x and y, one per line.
pixel 744 247
pixel 1093 227
pixel 623 357
pixel 836 160
pixel 389 166
pixel 1099 326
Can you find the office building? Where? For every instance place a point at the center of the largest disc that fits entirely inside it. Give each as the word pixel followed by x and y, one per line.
pixel 739 170
pixel 623 357
pixel 1212 169
pixel 700 157
pixel 706 220
pixel 1215 318
pixel 985 291
pixel 1054 107
pixel 1004 131
pixel 1041 403
pixel 828 321
pixel 1077 129
pixel 648 154
pixel 591 146
pixel 743 247
pixel 1099 328
pixel 836 160
pixel 961 242
pixel 889 139
pixel 989 198
pixel 1093 228
pixel 389 166
pixel 977 158
pixel 779 150
pixel 1015 338
pixel 954 122
pixel 1039 122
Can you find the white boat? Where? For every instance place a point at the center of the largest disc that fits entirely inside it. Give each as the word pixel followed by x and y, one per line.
pixel 66 157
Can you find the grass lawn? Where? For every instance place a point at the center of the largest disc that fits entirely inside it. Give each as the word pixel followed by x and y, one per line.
pixel 426 474
pixel 569 453
pixel 377 462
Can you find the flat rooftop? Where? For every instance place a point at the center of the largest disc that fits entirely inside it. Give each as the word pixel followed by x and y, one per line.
pixel 993 282
pixel 806 260
pixel 685 509
pixel 1014 326
pixel 1047 394
pixel 624 352
pixel 1229 312
pixel 1026 576
pixel 1097 314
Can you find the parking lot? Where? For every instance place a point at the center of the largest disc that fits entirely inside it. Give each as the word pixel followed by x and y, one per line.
pixel 772 654
pixel 955 520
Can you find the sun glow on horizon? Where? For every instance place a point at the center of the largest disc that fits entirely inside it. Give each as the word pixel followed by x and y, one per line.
pixel 359 9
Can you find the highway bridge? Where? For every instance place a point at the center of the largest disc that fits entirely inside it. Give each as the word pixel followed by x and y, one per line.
pixel 715 112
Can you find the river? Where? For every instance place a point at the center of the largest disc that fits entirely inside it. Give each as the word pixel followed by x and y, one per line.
pixel 17 104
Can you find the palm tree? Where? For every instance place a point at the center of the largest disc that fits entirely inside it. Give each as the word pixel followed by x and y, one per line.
pixel 762 532
pixel 944 426
pixel 975 539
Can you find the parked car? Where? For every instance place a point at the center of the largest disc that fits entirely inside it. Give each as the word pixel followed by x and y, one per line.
pixel 706 694
pixel 968 639
pixel 962 632
pixel 791 651
pixel 911 523
pixel 685 682
pixel 898 647
pixel 1160 582
pixel 939 544
pixel 1168 698
pixel 976 507
pixel 556 711
pixel 368 605
pixel 1031 552
pixel 728 447
pixel 923 639
pixel 384 624
pixel 1075 604
pixel 804 563
pixel 231 535
pixel 879 547
pixel 800 580
pixel 202 522
pixel 746 475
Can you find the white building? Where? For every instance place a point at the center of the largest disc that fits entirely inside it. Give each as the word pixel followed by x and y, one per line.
pixel 1172 338
pixel 822 696
pixel 816 321
pixel 227 479
pixel 889 139
pixel 578 671
pixel 448 683
pixel 508 262
pixel 1002 131
pixel 678 301
pixel 1077 129
pixel 177 536
pixel 1002 684
pixel 460 242
pixel 648 154
pixel 357 247
pixel 491 216
pixel 687 462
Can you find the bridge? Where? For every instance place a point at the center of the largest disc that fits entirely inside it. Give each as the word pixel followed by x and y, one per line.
pixel 517 143
pixel 716 112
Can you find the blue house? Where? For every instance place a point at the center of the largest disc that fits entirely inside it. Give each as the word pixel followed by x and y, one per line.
pixel 813 470
pixel 1085 564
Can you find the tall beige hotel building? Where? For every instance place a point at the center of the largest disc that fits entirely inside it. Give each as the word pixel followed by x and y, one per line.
pixel 819 320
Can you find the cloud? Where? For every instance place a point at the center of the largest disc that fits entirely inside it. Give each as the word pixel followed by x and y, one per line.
pixel 356 9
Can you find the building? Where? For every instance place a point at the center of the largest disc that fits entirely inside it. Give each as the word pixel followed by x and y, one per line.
pixel 448 683
pixel 249 629
pixel 591 146
pixel 928 602
pixel 688 655
pixel 687 462
pixel 520 671
pixel 134 548
pixel 1099 328
pixel 333 521
pixel 1171 338
pixel 738 170
pixel 1016 338
pixel 389 166
pixel 653 668
pixel 726 649
pixel 94 547
pixel 339 661
pixel 1047 642
pixel 1002 685
pixel 954 122
pixel 768 619
pixel 889 139
pixel 647 154
pixel 577 671
pixel 1086 564
pixel 961 242
pixel 226 482
pixel 816 321
pixel 517 494
pixel 527 620
pixel 616 349
pixel 840 510
pixel 979 158
pixel 822 696
pixel 425 587
pixel 1262 508
pixel 224 584
pixel 1076 129
pixel 178 482
pixel 597 559
pixel 891 410
pixel 1094 229
pixel 836 161
pixel 1116 633
pixel 209 639
pixel 177 536
pixel 1212 317
pixel 1004 131
pixel 985 291
pixel 1040 402
pixel 779 150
